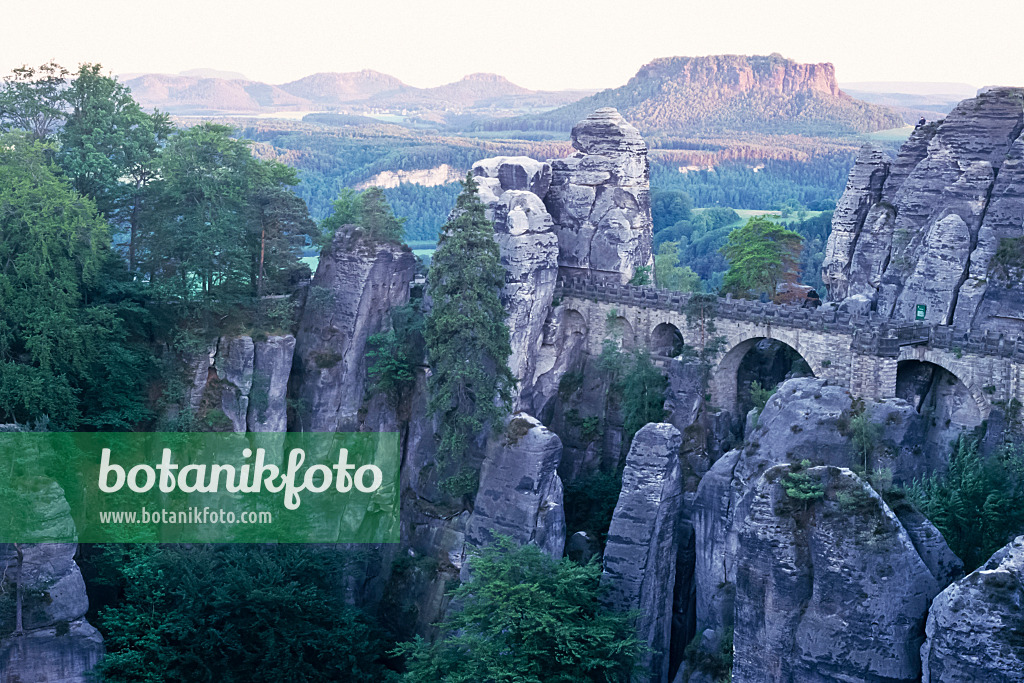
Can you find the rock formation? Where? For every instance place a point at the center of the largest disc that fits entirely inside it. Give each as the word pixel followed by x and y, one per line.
pixel 804 420
pixel 975 626
pixel 520 494
pixel 640 556
pixel 246 380
pixel 272 365
pixel 699 96
pixel 512 188
pixel 941 224
pixel 357 283
pixel 826 589
pixel 600 200
pixel 57 645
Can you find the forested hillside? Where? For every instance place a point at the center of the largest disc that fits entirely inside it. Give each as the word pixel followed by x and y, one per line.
pixel 701 95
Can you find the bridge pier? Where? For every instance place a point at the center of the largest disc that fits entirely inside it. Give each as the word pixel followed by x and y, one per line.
pixel 873 376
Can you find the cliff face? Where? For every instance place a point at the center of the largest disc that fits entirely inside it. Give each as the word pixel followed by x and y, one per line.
pixel 357 284
pixel 57 644
pixel 827 589
pixel 941 224
pixel 512 189
pixel 736 523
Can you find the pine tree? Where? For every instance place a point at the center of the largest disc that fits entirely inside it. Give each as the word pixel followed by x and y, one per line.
pixel 761 256
pixel 467 339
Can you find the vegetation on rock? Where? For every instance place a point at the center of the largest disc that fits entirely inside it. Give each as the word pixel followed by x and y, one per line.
pixel 466 336
pixel 978 504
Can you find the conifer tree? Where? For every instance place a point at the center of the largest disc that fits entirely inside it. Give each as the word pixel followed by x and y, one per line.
pixel 761 256
pixel 467 339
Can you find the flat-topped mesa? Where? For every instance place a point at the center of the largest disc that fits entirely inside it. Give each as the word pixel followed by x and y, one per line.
pixel 938 232
pixel 600 201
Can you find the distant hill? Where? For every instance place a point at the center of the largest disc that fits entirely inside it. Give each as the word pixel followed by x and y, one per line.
pixel 194 95
pixel 205 93
pixel 474 92
pixel 913 99
pixel 728 93
pixel 342 88
pixel 214 73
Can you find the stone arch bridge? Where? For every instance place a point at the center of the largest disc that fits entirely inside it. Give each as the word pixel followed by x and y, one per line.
pixel 862 353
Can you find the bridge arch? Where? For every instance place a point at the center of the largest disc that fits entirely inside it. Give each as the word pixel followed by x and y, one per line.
pixel 728 391
pixel 666 340
pixel 937 379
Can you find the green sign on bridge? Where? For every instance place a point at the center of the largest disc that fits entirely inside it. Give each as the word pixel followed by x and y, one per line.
pixel 921 310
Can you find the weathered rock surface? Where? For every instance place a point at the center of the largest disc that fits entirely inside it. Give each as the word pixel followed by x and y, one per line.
pixel 925 228
pixel 600 200
pixel 828 589
pixel 641 552
pixel 975 626
pixel 863 191
pixel 356 285
pixel 58 644
pixel 520 494
pixel 514 173
pixel 804 420
pixel 511 188
pixel 234 364
pixel 268 400
pixel 64 654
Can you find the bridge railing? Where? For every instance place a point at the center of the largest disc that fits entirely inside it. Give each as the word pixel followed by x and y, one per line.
pixel 872 333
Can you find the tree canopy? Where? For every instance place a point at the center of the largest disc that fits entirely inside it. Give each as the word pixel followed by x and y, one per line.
pixel 63 350
pixel 369 210
pixel 528 618
pixel 762 255
pixel 234 614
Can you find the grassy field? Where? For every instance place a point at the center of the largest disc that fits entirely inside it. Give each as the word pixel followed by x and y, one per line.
pixel 891 134
pixel 747 214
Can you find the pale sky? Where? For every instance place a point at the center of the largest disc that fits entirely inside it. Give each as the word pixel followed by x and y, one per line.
pixel 539 44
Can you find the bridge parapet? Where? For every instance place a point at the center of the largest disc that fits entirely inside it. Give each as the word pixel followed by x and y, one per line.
pixel 872 334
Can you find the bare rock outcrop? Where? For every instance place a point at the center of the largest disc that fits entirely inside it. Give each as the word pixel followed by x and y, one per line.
pixel 938 225
pixel 520 493
pixel 57 644
pixel 512 188
pixel 641 552
pixel 268 398
pixel 828 588
pixel 357 283
pixel 975 626
pixel 600 200
pixel 805 420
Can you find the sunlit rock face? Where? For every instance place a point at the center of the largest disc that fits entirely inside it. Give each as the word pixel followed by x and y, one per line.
pixel 940 225
pixel 600 200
